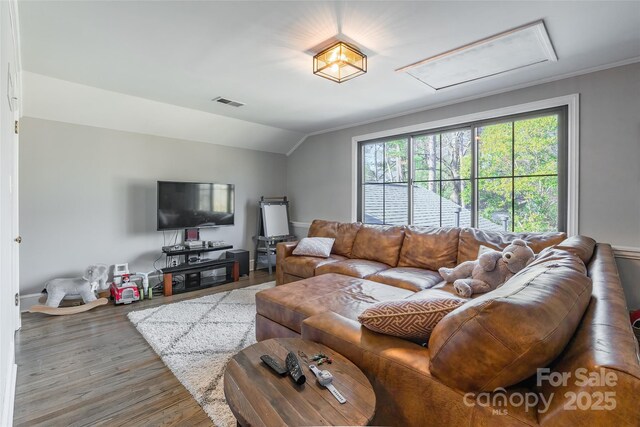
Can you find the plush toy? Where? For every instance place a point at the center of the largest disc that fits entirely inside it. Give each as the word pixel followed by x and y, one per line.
pixel 490 271
pixel 85 287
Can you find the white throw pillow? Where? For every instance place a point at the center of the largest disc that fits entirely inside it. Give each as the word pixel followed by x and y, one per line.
pixel 315 246
pixel 482 249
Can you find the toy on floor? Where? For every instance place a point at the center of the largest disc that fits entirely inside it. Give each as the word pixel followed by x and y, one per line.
pixel 85 287
pixel 123 290
pixel 125 293
pixel 490 271
pixel 145 290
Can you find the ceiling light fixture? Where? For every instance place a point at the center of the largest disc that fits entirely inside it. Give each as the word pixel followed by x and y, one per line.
pixel 339 63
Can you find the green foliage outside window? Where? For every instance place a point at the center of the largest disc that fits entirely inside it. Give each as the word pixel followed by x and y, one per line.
pixel 528 148
pixel 516 176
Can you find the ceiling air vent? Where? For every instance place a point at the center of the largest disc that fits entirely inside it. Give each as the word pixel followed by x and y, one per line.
pixel 228 102
pixel 511 50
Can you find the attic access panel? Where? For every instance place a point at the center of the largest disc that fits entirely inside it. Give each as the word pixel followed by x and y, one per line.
pixel 517 48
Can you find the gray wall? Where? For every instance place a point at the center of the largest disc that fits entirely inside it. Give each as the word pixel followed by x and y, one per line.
pixel 89 195
pixel 319 171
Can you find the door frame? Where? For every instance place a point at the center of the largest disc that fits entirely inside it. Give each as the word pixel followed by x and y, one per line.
pixel 10 112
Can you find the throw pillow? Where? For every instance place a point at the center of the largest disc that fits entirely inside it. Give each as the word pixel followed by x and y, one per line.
pixel 482 249
pixel 410 319
pixel 315 246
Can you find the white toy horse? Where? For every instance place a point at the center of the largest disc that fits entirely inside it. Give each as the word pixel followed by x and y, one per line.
pixel 85 287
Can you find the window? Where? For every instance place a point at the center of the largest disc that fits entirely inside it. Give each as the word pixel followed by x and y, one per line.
pixel 504 174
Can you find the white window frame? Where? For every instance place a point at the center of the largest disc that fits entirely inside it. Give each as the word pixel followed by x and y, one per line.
pixel 572 102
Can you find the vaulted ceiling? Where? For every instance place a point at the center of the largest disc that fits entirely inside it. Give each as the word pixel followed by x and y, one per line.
pixel 260 52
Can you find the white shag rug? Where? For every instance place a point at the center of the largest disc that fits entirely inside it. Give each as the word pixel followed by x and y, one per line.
pixel 196 338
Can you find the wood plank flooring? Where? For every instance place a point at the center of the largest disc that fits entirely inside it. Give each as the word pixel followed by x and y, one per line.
pixel 94 368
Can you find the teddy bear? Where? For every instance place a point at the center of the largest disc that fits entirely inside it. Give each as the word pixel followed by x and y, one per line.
pixel 490 271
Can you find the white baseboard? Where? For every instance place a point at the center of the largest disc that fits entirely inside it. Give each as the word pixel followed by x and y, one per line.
pixel 28 301
pixel 6 417
pixel 626 252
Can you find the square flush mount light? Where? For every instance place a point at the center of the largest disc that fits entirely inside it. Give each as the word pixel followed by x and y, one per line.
pixel 339 63
pixel 517 48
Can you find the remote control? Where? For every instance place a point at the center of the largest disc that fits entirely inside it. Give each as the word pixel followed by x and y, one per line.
pixel 293 366
pixel 271 362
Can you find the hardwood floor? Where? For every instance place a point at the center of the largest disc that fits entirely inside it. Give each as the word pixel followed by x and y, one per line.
pixel 94 368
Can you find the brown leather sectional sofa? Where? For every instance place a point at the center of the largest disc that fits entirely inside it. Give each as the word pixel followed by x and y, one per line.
pixel 565 313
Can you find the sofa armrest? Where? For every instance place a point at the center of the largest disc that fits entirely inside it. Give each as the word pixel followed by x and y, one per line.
pixel 406 393
pixel 397 369
pixel 283 250
pixel 353 341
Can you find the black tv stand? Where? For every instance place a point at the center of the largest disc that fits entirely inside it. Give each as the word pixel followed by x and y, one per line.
pixel 193 271
pixel 193 275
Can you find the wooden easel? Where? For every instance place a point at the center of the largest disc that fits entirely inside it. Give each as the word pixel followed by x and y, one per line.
pixel 273 227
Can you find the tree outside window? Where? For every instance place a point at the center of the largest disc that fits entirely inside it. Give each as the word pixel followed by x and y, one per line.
pixel 499 175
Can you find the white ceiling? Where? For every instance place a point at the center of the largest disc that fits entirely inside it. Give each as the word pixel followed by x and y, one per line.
pixel 259 52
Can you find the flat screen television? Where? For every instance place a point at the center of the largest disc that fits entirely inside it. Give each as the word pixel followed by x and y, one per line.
pixel 194 205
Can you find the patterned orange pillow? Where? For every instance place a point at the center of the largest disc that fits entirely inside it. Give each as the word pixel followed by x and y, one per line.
pixel 410 319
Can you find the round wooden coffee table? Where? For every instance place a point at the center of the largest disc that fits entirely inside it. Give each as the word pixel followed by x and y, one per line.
pixel 258 396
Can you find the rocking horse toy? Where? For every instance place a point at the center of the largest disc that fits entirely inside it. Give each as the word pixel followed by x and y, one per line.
pixel 85 287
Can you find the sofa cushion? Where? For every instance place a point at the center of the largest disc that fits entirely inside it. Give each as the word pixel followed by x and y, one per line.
pixel 559 258
pixel 322 228
pixel 472 238
pixel 290 304
pixel 344 233
pixel 378 243
pixel 514 330
pixel 411 278
pixel 314 246
pixel 580 246
pixel 429 247
pixel 305 266
pixel 345 237
pixel 352 267
pixel 411 319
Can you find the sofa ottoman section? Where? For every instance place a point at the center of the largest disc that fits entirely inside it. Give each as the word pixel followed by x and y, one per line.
pixel 288 305
pixel 410 278
pixel 360 268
